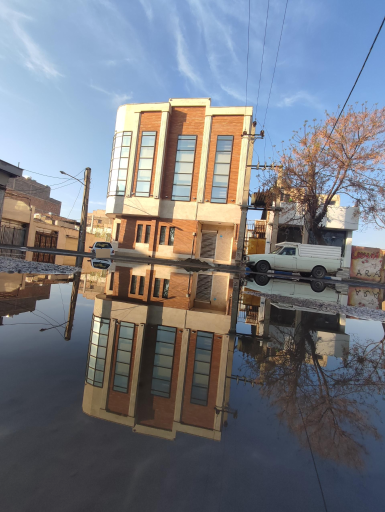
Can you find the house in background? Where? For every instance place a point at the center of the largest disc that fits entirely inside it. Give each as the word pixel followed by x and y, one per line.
pixel 283 221
pixel 100 225
pixel 177 179
pixel 7 173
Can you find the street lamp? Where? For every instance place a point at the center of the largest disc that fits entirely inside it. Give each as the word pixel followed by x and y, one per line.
pixel 73 177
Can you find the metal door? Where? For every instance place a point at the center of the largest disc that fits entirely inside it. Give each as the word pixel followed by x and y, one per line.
pixel 208 245
pixel 204 286
pixel 48 241
pixel 12 235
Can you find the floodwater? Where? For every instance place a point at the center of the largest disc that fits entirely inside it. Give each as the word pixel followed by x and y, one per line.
pixel 280 408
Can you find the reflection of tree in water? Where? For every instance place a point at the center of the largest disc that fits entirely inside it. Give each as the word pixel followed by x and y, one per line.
pixel 335 403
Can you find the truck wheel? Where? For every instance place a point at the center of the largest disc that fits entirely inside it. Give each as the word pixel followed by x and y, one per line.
pixel 305 274
pixel 317 286
pixel 318 272
pixel 261 280
pixel 262 266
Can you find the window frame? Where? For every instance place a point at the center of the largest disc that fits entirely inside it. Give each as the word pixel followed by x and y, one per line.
pixel 195 400
pixel 132 281
pixel 88 379
pixel 147 234
pixel 157 281
pixel 113 374
pixel 165 289
pixel 219 138
pixel 163 229
pixel 157 392
pixel 139 233
pixel 180 138
pixel 144 134
pixel 117 135
pixel 142 282
pixel 171 230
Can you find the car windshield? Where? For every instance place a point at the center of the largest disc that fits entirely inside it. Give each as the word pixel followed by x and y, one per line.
pixel 101 265
pixel 102 245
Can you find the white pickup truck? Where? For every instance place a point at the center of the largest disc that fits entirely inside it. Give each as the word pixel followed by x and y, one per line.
pixel 308 260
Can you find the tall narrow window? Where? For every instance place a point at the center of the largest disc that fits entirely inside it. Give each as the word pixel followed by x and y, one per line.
pixel 200 384
pixel 164 357
pixel 171 236
pixel 184 166
pixel 112 281
pixel 166 285
pixel 119 164
pixel 97 351
pixel 123 357
pixel 141 285
pixel 162 236
pixel 117 232
pixel 133 285
pixel 156 287
pixel 147 235
pixel 139 233
pixel 222 169
pixel 146 161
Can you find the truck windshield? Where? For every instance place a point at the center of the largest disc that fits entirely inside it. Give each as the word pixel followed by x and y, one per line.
pixel 277 251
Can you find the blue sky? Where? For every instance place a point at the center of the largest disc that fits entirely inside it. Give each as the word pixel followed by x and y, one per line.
pixel 66 66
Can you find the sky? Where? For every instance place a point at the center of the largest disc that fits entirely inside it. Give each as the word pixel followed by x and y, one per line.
pixel 66 66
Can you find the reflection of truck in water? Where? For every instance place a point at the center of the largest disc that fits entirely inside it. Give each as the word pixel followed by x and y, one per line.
pixel 307 259
pixel 295 289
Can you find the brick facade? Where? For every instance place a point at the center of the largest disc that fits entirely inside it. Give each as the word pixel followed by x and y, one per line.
pixel 37 195
pixel 183 121
pixel 149 122
pixel 225 125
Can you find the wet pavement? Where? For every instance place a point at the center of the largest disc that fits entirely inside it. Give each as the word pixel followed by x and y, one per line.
pixel 188 397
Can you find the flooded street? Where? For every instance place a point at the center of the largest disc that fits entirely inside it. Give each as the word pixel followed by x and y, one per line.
pixel 159 401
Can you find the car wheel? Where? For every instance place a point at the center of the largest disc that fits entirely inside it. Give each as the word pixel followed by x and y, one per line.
pixel 318 272
pixel 317 286
pixel 305 274
pixel 262 266
pixel 261 280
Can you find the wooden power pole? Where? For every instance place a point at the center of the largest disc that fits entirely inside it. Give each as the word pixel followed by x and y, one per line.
pixel 79 259
pixel 83 220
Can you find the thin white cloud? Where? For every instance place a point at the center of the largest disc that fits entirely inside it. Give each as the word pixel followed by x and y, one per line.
pixel 115 98
pixel 31 54
pixel 300 97
pixel 184 62
pixel 147 9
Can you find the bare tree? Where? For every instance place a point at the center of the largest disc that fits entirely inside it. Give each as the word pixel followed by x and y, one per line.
pixel 320 164
pixel 332 407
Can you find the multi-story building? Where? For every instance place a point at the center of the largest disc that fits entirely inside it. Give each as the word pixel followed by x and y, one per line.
pixel 158 355
pixel 99 224
pixel 179 179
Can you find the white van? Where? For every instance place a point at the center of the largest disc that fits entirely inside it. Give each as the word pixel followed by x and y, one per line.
pixel 307 259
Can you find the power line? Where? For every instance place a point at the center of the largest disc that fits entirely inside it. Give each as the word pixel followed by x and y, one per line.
pixel 263 53
pixel 68 216
pixel 276 59
pixel 312 456
pixel 355 83
pixel 247 59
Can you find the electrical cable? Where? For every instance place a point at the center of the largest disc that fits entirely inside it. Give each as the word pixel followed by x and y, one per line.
pixel 355 83
pixel 276 59
pixel 68 216
pixel 247 59
pixel 263 53
pixel 312 456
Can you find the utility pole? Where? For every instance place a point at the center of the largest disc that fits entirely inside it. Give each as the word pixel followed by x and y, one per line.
pixel 245 196
pixel 83 220
pixel 71 311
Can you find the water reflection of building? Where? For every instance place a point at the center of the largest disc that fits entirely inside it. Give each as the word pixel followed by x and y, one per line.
pixel 158 352
pixel 279 320
pixel 20 292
